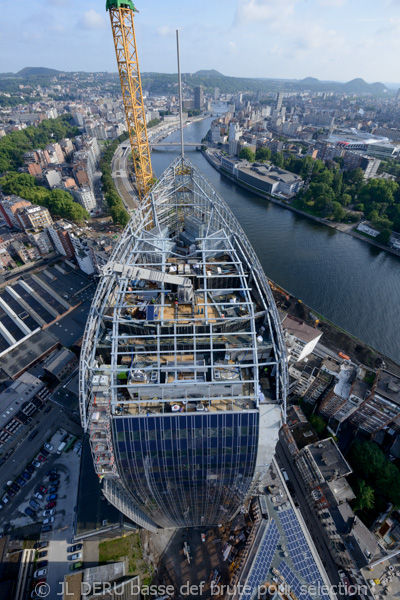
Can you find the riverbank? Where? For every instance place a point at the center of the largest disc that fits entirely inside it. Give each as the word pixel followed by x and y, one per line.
pixel 334 338
pixel 342 227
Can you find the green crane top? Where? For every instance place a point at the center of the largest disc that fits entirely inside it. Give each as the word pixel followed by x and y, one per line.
pixel 120 3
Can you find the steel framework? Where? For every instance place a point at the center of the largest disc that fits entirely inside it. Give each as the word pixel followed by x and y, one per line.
pixel 183 316
pixel 123 28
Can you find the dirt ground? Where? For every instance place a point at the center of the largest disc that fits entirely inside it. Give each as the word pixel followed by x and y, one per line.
pixel 166 551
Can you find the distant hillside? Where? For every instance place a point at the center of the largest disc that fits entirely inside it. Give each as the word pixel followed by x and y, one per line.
pixel 355 86
pixel 310 81
pixel 209 73
pixel 33 71
pixel 161 83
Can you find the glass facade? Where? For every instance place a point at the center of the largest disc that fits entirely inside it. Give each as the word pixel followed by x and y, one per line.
pixel 187 470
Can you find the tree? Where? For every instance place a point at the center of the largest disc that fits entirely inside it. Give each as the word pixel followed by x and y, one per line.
pixel 247 154
pixel 338 212
pixel 278 160
pixel 346 199
pixel 384 236
pixel 365 496
pixel 263 154
pixel 318 423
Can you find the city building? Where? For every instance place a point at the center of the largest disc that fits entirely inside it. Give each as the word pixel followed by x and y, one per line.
pixel 55 153
pixel 60 364
pixel 198 98
pixel 266 178
pixel 279 556
pixel 381 406
pixel 300 338
pixel 42 241
pixel 279 100
pixel 85 196
pixel 83 255
pixel 59 235
pixel 9 207
pixel 183 350
pixel 34 217
pixel 20 401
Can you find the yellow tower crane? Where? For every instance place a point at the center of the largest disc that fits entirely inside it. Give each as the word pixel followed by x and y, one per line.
pixel 122 22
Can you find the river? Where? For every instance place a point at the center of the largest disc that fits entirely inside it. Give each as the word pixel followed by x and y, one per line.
pixel 351 283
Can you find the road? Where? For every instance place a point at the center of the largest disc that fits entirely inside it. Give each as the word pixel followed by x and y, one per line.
pixel 119 170
pixel 313 524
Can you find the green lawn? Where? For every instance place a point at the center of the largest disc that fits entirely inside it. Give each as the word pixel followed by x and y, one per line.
pixel 127 546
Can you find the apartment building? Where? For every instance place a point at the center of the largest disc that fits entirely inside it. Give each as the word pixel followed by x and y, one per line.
pixel 59 235
pixel 9 208
pixel 34 217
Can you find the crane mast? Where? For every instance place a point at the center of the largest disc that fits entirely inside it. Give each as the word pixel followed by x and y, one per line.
pixel 122 23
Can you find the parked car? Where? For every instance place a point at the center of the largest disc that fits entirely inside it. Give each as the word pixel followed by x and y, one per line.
pixel 34 504
pixel 5 499
pixel 42 554
pixel 52 497
pixel 76 566
pixel 75 548
pixel 47 528
pixel 41 545
pixel 47 410
pixel 42 563
pixel 36 464
pixel 54 477
pixel 48 520
pixel 51 472
pixel 51 505
pixel 26 475
pixel 40 573
pixel 33 435
pixel 53 490
pixel 11 493
pixel 38 496
pixel 48 447
pixel 21 481
pixel 43 489
pixel 28 511
pixel 30 469
pixel 49 513
pixel 15 487
pixel 76 556
pixel 45 452
pixel 41 458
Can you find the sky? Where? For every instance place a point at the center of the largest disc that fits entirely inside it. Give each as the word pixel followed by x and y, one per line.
pixel 328 39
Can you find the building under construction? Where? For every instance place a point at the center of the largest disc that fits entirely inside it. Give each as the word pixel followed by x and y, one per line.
pixel 183 365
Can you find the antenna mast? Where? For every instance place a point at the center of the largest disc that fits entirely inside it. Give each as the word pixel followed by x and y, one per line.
pixel 180 94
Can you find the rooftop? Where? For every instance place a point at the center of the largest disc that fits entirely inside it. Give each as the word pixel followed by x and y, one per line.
pixel 29 351
pixel 328 459
pixel 300 330
pixel 388 386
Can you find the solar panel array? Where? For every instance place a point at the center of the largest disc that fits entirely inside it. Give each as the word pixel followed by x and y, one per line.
pixel 291 580
pixel 298 547
pixel 263 560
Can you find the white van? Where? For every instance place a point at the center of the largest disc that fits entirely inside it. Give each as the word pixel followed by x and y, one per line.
pixel 61 447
